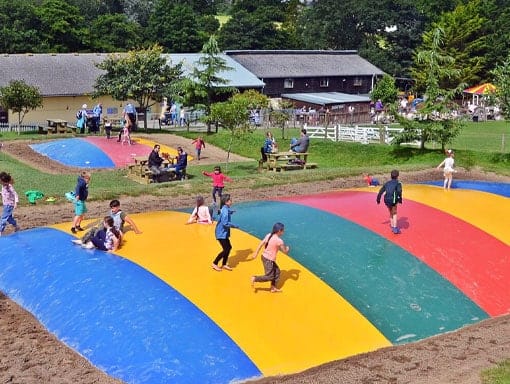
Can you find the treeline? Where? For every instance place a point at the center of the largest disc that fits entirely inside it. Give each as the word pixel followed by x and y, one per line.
pixel 385 32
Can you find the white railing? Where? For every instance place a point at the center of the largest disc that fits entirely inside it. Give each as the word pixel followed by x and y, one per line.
pixel 356 133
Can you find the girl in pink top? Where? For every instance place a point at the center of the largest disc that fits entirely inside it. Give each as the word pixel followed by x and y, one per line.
pixel 218 179
pixel 272 243
pixel 201 213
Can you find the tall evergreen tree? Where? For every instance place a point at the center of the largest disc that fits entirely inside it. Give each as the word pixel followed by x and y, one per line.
pixel 205 82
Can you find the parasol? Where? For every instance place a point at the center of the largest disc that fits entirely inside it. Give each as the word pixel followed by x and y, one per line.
pixel 481 89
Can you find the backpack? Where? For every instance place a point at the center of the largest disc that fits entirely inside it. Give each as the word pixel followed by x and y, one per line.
pixel 79 114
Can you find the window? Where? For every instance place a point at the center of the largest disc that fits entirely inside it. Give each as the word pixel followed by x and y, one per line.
pixel 288 83
pixel 324 83
pixel 358 82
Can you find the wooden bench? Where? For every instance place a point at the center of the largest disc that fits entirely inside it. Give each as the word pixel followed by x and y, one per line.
pixel 286 161
pixel 141 173
pixel 310 165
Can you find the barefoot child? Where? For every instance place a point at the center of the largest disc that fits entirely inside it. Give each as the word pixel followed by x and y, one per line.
pixel 201 213
pixel 448 169
pixel 272 243
pixel 222 233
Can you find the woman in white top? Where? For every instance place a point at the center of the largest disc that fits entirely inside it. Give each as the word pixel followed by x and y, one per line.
pixel 201 213
pixel 448 169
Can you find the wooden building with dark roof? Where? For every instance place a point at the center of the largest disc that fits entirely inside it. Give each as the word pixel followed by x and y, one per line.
pixel 309 71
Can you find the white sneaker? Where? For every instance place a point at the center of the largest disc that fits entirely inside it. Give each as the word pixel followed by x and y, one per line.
pixel 77 241
pixel 88 245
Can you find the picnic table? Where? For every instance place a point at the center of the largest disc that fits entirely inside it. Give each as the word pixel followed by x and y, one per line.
pixel 284 161
pixel 56 126
pixel 140 169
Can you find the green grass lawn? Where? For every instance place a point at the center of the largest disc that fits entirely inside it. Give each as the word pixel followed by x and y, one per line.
pixel 498 375
pixel 476 146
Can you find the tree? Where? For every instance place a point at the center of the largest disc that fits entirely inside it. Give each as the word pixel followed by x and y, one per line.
pixel 463 40
pixel 19 27
pixel 436 123
pixel 62 26
pixel 143 76
pixel 386 90
pixel 256 30
pixel 205 82
pixel 114 33
pixel 386 34
pixel 282 114
pixel 501 76
pixel 20 98
pixel 175 27
pixel 234 114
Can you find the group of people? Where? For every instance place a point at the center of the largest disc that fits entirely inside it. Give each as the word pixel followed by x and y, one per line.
pixel 272 242
pixel 298 145
pixel 92 120
pixel 159 167
pixel 107 234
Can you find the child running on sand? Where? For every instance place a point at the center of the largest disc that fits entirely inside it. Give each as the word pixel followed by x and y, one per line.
pixel 392 191
pixel 199 145
pixel 272 242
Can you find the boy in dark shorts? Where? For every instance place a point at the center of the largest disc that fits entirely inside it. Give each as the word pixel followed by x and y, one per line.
pixel 392 191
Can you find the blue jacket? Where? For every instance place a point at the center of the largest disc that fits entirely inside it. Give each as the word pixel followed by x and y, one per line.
pixel 392 193
pixel 82 189
pixel 224 224
pixel 182 160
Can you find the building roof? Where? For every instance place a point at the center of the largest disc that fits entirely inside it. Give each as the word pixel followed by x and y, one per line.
pixel 306 63
pixel 326 98
pixel 54 74
pixel 238 77
pixel 69 74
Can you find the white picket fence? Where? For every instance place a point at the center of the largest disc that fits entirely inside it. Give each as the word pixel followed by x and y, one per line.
pixel 356 133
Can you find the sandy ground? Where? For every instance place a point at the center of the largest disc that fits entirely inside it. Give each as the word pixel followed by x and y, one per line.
pixel 29 354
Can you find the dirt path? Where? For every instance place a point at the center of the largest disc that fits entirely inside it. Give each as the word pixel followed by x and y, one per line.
pixel 29 354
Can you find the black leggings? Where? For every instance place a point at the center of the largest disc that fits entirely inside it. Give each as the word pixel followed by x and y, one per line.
pixel 225 244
